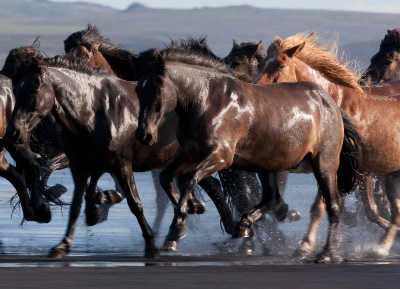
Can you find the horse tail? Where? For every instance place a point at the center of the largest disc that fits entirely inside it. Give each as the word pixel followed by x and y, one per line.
pixel 349 173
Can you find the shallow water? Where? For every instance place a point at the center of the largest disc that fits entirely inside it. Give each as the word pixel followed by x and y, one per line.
pixel 120 235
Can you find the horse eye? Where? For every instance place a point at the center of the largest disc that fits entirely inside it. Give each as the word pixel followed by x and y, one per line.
pixel 281 67
pixel 157 108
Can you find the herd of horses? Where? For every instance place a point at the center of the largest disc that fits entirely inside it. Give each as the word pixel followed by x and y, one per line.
pixel 185 114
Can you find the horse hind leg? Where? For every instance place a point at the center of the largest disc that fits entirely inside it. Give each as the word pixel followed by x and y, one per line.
pixel 162 200
pixel 325 173
pixel 392 183
pixel 317 211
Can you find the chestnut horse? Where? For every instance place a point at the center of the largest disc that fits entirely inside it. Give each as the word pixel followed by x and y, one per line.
pixel 301 58
pixel 226 122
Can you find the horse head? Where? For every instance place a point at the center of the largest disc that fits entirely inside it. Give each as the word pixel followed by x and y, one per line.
pixel 156 95
pixel 20 55
pixel 245 57
pixel 32 102
pixel 278 66
pixel 90 45
pixel 385 64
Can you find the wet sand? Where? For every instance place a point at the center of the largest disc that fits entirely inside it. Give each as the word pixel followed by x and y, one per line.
pixel 188 272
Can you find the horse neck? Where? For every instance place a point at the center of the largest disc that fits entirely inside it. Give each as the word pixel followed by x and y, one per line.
pixel 304 72
pixel 101 62
pixel 190 83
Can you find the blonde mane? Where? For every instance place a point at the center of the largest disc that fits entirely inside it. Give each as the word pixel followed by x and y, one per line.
pixel 321 58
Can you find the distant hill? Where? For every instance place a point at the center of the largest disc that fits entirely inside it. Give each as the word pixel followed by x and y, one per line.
pixel 140 27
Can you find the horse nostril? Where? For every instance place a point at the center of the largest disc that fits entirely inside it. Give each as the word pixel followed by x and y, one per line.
pixel 16 136
pixel 148 138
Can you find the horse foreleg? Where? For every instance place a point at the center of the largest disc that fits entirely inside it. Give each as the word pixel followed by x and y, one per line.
pixel 211 164
pixel 127 182
pixel 80 177
pixel 16 178
pixel 392 183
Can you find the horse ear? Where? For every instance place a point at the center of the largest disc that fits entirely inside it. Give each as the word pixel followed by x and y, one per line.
pixel 295 50
pixel 259 46
pixel 159 61
pixel 396 37
pixel 235 44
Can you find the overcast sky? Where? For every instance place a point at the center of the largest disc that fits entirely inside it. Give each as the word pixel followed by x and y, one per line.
pixel 378 6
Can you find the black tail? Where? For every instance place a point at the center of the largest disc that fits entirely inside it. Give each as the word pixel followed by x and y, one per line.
pixel 350 169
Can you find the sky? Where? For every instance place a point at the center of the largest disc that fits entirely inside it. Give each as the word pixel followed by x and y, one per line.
pixel 377 6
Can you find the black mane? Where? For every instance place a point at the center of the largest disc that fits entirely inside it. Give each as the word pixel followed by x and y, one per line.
pixel 116 55
pixel 190 55
pixel 74 64
pixel 199 45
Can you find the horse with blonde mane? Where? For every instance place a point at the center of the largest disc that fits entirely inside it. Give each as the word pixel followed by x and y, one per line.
pixel 375 110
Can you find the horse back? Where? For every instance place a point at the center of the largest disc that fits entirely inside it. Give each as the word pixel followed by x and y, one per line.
pixel 289 122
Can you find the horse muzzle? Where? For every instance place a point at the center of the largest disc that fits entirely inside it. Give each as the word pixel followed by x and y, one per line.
pixel 146 137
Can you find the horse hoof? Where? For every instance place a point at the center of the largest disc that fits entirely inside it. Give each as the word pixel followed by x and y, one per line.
pixel 176 233
pixel 92 215
pixel 170 246
pixel 328 257
pixel 56 191
pixel 301 254
pixel 243 232
pixel 195 206
pixel 56 253
pixel 292 216
pixel 152 253
pixel 282 212
pixel 42 214
pixel 247 247
pixel 108 197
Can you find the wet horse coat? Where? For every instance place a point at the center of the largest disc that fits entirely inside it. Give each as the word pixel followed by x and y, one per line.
pixel 375 110
pixel 226 122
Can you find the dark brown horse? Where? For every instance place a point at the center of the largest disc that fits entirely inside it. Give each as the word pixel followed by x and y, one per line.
pixel 385 64
pixel 91 45
pixel 375 110
pixel 98 115
pixel 45 139
pixel 225 122
pixel 9 172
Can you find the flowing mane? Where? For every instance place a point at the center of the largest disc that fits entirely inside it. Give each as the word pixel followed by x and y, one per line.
pixel 188 52
pixel 116 55
pixel 321 58
pixel 73 64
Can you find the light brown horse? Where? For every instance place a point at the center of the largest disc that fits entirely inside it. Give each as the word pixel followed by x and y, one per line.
pixel 375 109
